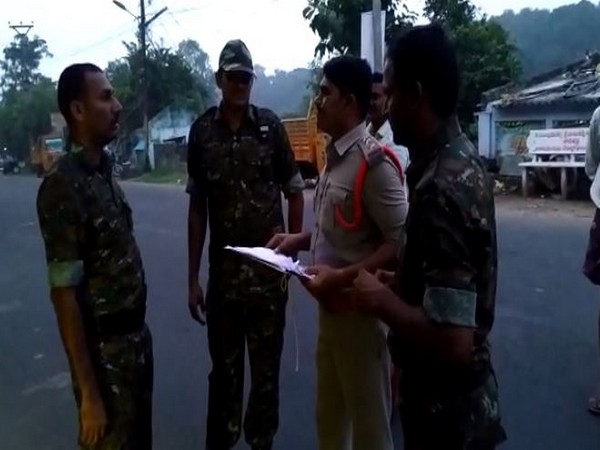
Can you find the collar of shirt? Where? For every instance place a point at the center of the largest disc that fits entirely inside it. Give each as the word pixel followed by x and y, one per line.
pixel 384 131
pixel 249 114
pixel 424 161
pixel 87 160
pixel 346 141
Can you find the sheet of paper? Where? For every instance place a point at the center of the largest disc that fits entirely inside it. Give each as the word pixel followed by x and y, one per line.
pixel 270 258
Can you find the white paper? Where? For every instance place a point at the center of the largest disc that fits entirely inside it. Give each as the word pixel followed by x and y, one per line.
pixel 269 257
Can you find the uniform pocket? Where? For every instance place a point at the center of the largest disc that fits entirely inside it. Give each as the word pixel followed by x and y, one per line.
pixel 259 163
pixel 341 210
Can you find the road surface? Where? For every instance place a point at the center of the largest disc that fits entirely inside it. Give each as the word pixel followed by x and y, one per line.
pixel 544 339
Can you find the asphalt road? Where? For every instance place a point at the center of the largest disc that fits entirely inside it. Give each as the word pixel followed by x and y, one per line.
pixel 544 339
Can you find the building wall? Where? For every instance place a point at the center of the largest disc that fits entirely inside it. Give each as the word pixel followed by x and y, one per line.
pixel 170 156
pixel 503 132
pixel 169 124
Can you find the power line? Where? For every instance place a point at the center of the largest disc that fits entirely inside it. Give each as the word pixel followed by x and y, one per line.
pixel 92 45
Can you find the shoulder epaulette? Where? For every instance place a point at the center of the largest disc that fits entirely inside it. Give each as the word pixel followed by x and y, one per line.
pixel 372 150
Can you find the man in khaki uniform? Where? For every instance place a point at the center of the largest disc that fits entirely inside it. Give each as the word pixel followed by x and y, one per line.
pixel 353 230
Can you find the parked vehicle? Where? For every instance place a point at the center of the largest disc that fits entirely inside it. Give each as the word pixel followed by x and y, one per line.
pixel 307 142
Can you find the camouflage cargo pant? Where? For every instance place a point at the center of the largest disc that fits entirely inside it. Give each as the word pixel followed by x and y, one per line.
pixel 468 421
pixel 125 376
pixel 259 320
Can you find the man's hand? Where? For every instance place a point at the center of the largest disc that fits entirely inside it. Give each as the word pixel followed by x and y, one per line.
pixel 286 244
pixel 196 303
pixel 386 277
pixel 370 294
pixel 93 419
pixel 325 280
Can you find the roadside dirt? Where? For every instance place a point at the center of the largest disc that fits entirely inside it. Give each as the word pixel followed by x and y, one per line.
pixel 516 204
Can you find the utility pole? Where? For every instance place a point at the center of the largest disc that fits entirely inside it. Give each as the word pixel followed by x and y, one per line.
pixel 377 31
pixel 143 24
pixel 142 32
pixel 21 29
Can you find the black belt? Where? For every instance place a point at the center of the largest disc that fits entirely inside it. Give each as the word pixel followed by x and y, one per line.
pixel 121 323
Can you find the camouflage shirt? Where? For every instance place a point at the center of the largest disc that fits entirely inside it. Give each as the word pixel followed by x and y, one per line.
pixel 450 268
pixel 242 174
pixel 450 261
pixel 87 227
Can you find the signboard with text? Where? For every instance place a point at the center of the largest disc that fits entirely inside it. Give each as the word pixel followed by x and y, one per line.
pixel 558 141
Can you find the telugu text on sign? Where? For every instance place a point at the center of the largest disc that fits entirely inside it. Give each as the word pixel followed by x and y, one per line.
pixel 557 140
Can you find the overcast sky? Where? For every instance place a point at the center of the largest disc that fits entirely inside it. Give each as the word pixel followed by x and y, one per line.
pixel 274 30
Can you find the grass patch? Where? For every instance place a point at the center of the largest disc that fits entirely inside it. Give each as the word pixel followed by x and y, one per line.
pixel 163 176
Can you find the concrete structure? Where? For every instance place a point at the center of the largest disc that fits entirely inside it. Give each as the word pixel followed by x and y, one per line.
pixel 169 125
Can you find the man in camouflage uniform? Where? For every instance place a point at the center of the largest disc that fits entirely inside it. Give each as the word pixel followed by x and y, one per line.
pixel 95 272
pixel 239 163
pixel 443 309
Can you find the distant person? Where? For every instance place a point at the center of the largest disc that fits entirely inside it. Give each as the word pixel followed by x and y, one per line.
pixel 95 271
pixel 591 267
pixel 239 164
pixel 379 125
pixel 442 310
pixel 354 230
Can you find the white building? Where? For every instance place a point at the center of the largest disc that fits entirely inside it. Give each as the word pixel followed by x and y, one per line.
pixel 563 98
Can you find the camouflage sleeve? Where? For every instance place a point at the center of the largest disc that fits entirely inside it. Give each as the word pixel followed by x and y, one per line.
pixel 450 291
pixel 61 224
pixel 286 170
pixel 195 167
pixel 385 200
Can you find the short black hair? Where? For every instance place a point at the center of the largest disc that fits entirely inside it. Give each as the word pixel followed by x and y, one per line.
pixel 377 77
pixel 71 84
pixel 351 75
pixel 424 54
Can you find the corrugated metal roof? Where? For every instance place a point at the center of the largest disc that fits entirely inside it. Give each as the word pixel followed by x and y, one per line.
pixel 576 83
pixel 571 90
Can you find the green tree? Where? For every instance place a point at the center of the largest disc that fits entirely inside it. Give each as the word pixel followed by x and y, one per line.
pixel 283 92
pixel 25 115
pixel 171 82
pixel 487 60
pixel 20 66
pixel 486 55
pixel 549 40
pixel 337 23
pixel 28 98
pixel 198 61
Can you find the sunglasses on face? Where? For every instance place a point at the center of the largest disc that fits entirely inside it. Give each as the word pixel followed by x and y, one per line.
pixel 238 77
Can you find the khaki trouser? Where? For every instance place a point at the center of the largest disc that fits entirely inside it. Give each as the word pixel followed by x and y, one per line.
pixel 353 383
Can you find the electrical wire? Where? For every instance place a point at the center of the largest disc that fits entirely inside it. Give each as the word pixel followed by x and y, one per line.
pixel 92 45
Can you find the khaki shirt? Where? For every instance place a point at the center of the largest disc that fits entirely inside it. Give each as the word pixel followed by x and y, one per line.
pixel 383 200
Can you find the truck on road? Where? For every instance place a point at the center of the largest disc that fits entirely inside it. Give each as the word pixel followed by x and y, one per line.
pixel 49 147
pixel 308 143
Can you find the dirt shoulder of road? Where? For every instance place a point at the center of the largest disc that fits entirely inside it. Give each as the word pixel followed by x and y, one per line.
pixel 161 176
pixel 543 206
